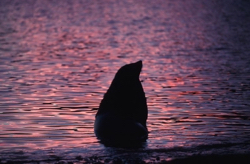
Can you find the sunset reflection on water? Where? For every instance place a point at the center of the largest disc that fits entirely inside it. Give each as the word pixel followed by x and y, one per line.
pixel 57 59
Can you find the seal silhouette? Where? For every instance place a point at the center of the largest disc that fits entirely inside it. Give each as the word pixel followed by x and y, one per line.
pixel 123 111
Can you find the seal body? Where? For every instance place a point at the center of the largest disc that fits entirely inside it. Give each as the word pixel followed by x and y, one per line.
pixel 123 112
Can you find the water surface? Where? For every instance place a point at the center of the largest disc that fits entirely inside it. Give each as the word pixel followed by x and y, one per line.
pixel 58 58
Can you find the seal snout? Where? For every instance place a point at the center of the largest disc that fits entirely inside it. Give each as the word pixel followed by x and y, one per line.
pixel 139 63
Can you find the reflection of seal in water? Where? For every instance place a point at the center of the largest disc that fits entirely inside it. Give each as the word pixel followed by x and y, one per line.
pixel 123 111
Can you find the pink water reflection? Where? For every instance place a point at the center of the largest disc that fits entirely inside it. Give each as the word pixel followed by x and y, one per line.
pixel 57 61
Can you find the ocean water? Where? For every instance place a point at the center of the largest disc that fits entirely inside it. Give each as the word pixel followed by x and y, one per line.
pixel 58 58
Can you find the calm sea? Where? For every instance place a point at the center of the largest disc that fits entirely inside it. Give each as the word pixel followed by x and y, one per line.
pixel 58 58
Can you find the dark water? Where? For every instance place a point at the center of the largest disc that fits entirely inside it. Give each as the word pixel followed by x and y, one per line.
pixel 57 59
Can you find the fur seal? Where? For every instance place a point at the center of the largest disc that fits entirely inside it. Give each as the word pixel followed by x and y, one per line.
pixel 123 111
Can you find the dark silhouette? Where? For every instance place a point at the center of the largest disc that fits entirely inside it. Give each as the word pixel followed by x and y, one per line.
pixel 122 114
